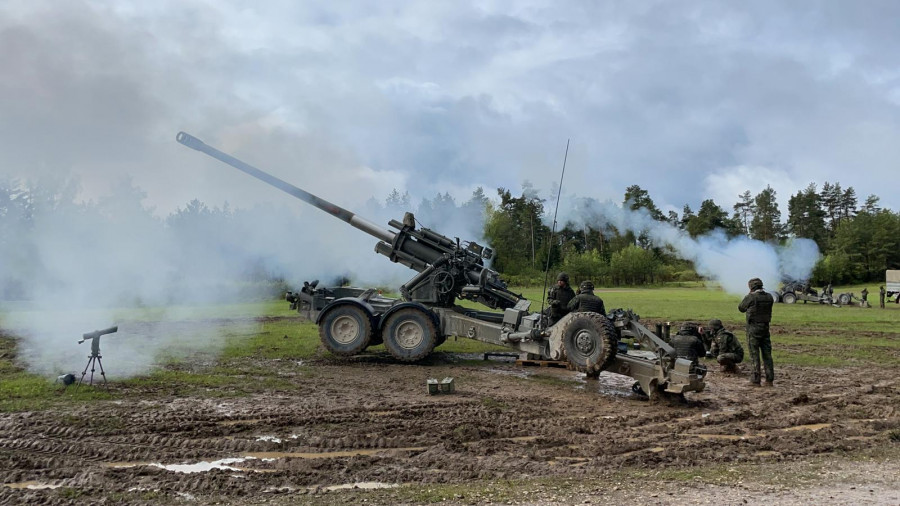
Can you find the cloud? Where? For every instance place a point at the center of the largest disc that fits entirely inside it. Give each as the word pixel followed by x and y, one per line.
pixel 450 95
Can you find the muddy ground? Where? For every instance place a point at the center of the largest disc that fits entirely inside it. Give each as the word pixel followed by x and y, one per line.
pixel 510 434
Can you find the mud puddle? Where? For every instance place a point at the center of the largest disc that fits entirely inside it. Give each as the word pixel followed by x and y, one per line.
pixel 31 485
pixel 364 485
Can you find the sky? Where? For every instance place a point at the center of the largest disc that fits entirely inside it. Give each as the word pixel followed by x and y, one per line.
pixel 349 100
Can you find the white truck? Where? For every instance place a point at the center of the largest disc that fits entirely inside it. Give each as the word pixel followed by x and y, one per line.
pixel 892 283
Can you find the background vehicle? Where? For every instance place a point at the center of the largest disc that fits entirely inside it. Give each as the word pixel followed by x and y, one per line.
pixel 793 291
pixel 892 283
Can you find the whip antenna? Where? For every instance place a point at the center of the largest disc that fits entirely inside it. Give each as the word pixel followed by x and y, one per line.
pixel 553 228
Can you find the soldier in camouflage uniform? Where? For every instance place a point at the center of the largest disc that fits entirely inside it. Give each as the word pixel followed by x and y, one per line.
pixel 559 298
pixel 687 343
pixel 758 306
pixel 726 348
pixel 881 297
pixel 585 300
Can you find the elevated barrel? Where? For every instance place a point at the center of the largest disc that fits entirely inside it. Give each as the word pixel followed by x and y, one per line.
pixel 332 209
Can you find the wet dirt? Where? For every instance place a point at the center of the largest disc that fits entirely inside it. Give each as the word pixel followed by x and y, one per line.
pixel 369 422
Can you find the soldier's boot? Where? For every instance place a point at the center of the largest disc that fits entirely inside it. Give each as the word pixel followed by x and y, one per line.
pixel 769 383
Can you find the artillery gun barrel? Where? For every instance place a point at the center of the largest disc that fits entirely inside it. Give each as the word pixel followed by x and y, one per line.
pixel 334 210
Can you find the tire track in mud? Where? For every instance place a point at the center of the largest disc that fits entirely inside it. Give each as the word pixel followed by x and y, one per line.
pixel 373 423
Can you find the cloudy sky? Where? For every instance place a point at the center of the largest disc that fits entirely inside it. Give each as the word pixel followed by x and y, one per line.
pixel 689 100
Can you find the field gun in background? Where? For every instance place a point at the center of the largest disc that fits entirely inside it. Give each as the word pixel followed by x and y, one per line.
pixel 800 290
pixel 448 270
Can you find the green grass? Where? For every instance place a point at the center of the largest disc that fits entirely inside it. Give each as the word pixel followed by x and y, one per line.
pixel 803 334
pixel 22 391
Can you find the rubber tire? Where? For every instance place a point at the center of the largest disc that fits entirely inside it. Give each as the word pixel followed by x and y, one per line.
pixel 597 337
pixel 843 299
pixel 788 298
pixel 346 315
pixel 405 321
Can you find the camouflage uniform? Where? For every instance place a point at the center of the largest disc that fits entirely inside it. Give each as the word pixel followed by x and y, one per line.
pixel 585 300
pixel 881 297
pixel 687 343
pixel 758 306
pixel 559 298
pixel 725 347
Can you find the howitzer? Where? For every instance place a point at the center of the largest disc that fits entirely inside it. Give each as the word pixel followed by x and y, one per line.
pixel 351 319
pixel 447 269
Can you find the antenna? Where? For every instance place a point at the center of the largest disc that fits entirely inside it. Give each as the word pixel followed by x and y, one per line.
pixel 553 228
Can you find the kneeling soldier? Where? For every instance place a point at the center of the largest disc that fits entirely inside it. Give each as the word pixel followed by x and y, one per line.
pixel 725 347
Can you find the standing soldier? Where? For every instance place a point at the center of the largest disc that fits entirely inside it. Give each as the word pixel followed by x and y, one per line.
pixel 725 347
pixel 559 298
pixel 585 300
pixel 758 306
pixel 828 290
pixel 864 295
pixel 881 297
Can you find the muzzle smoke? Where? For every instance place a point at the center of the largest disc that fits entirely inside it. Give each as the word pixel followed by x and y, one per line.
pixel 730 262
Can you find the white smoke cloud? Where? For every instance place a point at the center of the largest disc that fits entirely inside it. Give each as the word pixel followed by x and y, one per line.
pixel 75 268
pixel 730 262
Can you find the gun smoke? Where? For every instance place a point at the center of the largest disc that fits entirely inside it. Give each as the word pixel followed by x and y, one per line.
pixel 67 268
pixel 729 261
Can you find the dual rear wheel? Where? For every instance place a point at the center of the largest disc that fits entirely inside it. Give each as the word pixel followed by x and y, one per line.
pixel 409 334
pixel 346 330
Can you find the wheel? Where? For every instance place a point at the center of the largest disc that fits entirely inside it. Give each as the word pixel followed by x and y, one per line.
pixel 638 390
pixel 590 342
pixel 346 330
pixel 409 334
pixel 844 299
pixel 788 298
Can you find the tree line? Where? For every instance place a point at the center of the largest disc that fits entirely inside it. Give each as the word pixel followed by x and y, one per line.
pixel 858 242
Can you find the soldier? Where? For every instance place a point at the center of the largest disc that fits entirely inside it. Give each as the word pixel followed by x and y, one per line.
pixel 881 297
pixel 725 347
pixel 585 300
pixel 864 295
pixel 559 297
pixel 687 342
pixel 828 290
pixel 758 306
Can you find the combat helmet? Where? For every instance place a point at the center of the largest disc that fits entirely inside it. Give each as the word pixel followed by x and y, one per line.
pixel 562 276
pixel 755 284
pixel 586 286
pixel 715 324
pixel 689 329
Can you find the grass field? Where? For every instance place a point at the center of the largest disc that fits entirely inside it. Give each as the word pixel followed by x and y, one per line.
pixel 803 334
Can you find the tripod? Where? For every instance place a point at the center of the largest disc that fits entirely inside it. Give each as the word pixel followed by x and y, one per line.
pixel 93 358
